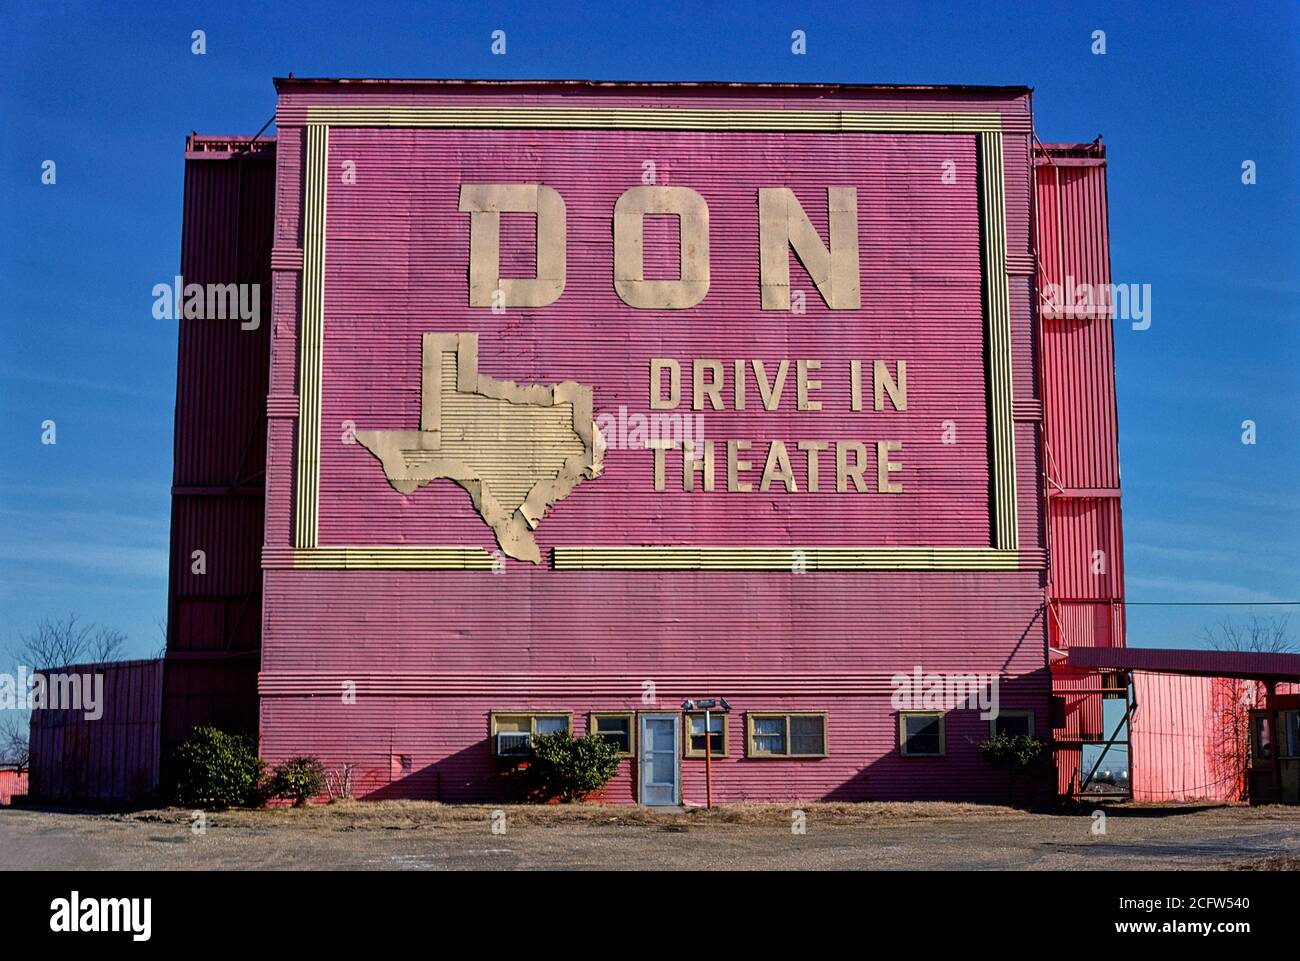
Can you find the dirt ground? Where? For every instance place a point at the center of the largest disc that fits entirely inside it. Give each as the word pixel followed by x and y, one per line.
pixel 408 835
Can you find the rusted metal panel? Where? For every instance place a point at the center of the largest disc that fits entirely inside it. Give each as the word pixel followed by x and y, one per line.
pixel 112 757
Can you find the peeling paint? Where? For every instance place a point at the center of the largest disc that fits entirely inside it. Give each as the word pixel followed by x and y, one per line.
pixel 516 450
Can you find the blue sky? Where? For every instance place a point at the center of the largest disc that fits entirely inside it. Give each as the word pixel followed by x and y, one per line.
pixel 1182 98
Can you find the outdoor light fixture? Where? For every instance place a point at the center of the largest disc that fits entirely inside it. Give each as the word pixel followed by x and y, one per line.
pixel 708 705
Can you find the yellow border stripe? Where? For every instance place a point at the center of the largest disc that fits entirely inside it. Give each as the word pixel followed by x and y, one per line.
pixel 1002 556
pixel 604 118
pixel 998 312
pixel 310 334
pixel 786 559
pixel 414 558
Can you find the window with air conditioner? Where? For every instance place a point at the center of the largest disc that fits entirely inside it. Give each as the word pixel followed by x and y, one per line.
pixel 512 734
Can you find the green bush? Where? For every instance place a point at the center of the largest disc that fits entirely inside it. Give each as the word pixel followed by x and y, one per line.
pixel 567 768
pixel 1016 754
pixel 213 769
pixel 299 778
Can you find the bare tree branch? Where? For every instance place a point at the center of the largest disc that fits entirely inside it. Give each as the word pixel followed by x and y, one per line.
pixel 1264 635
pixel 15 733
pixel 161 650
pixel 107 644
pixel 67 641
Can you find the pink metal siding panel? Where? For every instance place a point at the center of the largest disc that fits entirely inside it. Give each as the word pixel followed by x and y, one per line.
pixel 297 95
pixel 1086 549
pixel 1189 737
pixel 1084 624
pixel 451 757
pixel 1079 352
pixel 12 783
pixel 397 249
pixel 432 653
pixel 111 758
pixel 1080 453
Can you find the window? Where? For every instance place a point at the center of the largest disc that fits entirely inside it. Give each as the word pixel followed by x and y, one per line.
pixel 1015 723
pixel 532 724
pixel 717 730
pixel 615 728
pixel 1262 732
pixel 787 735
pixel 920 733
pixel 1290 723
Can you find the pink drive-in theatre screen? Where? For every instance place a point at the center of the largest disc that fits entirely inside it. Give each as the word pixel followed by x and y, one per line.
pixel 397 267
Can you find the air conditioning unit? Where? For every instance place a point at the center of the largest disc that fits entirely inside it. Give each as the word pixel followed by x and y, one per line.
pixel 514 744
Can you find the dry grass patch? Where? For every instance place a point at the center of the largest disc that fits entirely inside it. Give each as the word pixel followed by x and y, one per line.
pixel 413 815
pixel 1279 862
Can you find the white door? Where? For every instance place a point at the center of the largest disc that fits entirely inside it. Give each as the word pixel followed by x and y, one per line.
pixel 659 753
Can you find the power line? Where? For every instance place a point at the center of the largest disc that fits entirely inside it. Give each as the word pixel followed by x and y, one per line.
pixel 1212 603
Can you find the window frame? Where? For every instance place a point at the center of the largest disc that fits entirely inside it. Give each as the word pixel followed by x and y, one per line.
pixel 494 716
pixel 1258 720
pixel 593 716
pixel 694 755
pixel 902 733
pixel 789 755
pixel 1284 726
pixel 993 721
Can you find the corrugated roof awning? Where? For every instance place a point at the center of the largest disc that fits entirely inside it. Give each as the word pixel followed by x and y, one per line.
pixel 1248 665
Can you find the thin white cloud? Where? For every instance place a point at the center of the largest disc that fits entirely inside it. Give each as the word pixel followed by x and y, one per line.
pixel 123 560
pixel 79 383
pixel 1139 588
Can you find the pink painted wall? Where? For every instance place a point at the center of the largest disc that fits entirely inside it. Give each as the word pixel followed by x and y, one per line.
pixel 12 783
pixel 434 652
pixel 1189 737
pixel 401 267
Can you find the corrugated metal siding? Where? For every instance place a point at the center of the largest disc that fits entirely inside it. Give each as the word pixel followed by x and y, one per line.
pixel 1189 737
pixel 446 741
pixel 297 97
pixel 220 458
pixel 396 251
pixel 12 783
pixel 112 758
pixel 1081 527
pixel 433 652
pixel 1079 353
pixel 1080 454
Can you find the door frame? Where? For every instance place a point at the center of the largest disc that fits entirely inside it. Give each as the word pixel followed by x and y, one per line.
pixel 676 717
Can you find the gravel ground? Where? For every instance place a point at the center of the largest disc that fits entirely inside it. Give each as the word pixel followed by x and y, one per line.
pixel 408 835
